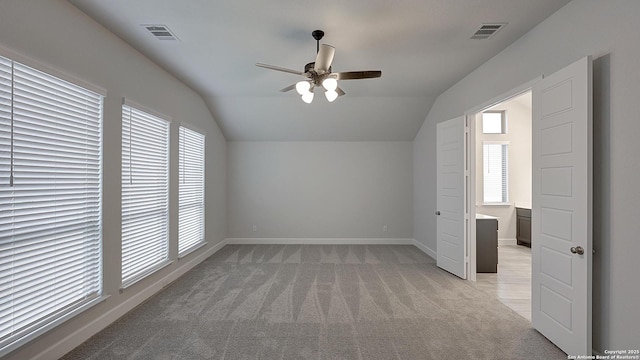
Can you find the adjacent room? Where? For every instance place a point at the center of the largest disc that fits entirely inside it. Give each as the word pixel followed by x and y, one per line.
pixel 503 202
pixel 341 180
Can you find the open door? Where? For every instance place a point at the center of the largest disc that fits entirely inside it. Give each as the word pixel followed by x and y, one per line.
pixel 450 198
pixel 561 211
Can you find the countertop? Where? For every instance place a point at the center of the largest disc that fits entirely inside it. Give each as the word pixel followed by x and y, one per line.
pixel 483 216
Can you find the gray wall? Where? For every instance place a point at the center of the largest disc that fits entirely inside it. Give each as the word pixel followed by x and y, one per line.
pixel 320 189
pixel 58 35
pixel 607 30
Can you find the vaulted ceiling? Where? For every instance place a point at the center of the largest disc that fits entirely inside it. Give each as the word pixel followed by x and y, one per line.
pixel 422 47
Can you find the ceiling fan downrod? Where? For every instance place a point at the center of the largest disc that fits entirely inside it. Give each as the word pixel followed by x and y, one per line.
pixel 317 34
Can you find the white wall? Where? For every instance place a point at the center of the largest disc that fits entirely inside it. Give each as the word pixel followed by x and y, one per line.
pixel 320 189
pixel 518 114
pixel 608 30
pixel 58 35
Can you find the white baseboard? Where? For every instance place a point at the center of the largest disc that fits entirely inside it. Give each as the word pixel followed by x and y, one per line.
pixel 320 241
pixel 81 335
pixel 507 242
pixel 425 249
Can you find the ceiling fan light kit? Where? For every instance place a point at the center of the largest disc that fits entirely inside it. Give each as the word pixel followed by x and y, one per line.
pixel 308 97
pixel 319 73
pixel 303 87
pixel 330 84
pixel 331 95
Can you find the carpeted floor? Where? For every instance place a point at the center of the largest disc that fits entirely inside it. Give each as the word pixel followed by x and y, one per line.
pixel 319 302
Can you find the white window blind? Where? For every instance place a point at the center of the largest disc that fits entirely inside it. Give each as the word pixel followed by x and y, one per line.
pixel 145 193
pixel 495 174
pixel 191 190
pixel 50 201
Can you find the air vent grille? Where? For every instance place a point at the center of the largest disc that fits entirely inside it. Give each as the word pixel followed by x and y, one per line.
pixel 161 32
pixel 486 31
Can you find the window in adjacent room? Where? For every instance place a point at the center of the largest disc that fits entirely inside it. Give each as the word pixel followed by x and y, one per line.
pixel 191 190
pixel 145 193
pixel 495 172
pixel 50 201
pixel 494 122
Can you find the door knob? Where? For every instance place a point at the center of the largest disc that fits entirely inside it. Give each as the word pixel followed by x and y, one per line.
pixel 438 212
pixel 577 250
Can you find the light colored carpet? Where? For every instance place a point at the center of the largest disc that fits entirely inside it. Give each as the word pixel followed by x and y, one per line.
pixel 319 302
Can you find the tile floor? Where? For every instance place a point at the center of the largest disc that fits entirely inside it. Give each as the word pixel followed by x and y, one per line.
pixel 512 283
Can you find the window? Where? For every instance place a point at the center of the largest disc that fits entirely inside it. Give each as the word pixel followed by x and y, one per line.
pixel 191 190
pixel 494 122
pixel 50 201
pixel 145 193
pixel 495 174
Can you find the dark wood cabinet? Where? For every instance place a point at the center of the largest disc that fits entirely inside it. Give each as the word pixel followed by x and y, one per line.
pixel 486 244
pixel 523 226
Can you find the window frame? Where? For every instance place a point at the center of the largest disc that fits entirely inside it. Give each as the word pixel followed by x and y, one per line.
pixel 503 121
pixel 52 84
pixel 164 241
pixel 183 130
pixel 504 164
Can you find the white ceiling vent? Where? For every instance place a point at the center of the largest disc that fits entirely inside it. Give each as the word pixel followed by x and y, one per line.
pixel 160 32
pixel 486 31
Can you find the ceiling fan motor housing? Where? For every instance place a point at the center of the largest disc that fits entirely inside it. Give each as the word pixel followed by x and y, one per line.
pixel 309 67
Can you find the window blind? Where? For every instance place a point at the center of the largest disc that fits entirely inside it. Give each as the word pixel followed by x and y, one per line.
pixel 50 200
pixel 191 190
pixel 145 193
pixel 495 174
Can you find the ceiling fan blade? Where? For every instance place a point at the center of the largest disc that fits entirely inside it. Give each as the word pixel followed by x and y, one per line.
pixel 278 68
pixel 340 91
pixel 354 75
pixel 324 58
pixel 289 88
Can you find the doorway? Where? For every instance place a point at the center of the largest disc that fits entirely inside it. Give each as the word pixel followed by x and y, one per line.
pixel 503 143
pixel 561 208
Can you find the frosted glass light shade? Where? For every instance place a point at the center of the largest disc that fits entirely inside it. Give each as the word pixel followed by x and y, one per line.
pixel 330 84
pixel 308 97
pixel 302 87
pixel 331 95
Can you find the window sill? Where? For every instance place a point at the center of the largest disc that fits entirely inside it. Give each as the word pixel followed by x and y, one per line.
pixel 496 204
pixel 144 274
pixel 191 249
pixel 31 333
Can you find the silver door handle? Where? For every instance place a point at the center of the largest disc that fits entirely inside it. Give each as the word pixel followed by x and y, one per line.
pixel 577 250
pixel 438 212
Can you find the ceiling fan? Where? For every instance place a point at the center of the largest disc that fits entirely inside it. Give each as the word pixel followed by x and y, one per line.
pixel 319 74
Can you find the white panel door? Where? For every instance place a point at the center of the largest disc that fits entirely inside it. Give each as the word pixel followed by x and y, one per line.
pixel 450 201
pixel 561 215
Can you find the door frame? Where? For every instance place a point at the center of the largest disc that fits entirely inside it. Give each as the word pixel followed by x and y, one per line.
pixel 470 117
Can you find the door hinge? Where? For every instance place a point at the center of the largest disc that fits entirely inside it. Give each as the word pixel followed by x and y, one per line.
pixel 466 259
